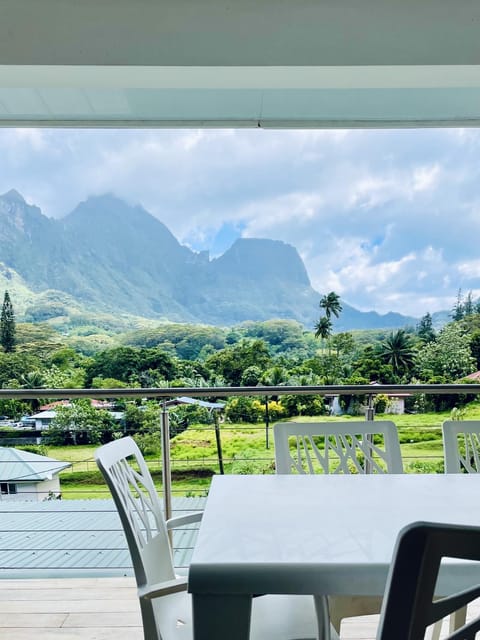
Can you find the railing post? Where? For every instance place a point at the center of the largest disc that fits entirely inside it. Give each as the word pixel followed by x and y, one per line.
pixel 166 472
pixel 267 423
pixel 369 415
pixel 219 443
pixel 370 411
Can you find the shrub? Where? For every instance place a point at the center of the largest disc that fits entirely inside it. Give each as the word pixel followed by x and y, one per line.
pixel 247 463
pixel 243 409
pixel 275 409
pixel 39 449
pixel 419 466
pixel 380 403
pixel 148 443
pixel 303 405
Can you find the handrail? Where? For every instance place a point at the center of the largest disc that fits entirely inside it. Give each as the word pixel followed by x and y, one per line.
pixel 200 392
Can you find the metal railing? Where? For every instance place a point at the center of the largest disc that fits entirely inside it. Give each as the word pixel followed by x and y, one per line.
pixel 203 392
pixel 164 393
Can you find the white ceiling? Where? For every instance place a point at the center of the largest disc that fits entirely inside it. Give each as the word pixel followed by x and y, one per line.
pixel 278 63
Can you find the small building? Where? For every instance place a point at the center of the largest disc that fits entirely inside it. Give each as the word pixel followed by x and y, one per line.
pixel 395 402
pixel 42 419
pixel 29 476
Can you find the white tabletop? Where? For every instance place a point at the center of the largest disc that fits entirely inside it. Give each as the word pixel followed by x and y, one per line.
pixel 320 534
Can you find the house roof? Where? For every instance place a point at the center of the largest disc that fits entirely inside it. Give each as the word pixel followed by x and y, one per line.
pixel 200 403
pixel 23 466
pixel 97 404
pixel 77 538
pixel 472 376
pixel 44 415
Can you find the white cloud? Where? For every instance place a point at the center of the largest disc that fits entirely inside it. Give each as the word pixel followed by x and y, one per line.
pixel 425 178
pixel 389 219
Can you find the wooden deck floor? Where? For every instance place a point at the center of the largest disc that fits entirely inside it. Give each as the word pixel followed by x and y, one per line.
pixel 70 609
pixel 94 609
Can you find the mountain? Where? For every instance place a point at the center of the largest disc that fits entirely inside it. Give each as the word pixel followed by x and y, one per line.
pixel 112 257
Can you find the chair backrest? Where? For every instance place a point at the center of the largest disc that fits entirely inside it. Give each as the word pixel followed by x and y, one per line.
pixel 136 499
pixel 337 447
pixel 408 606
pixel 461 446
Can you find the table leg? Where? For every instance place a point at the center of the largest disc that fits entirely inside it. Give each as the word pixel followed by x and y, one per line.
pixel 323 617
pixel 219 617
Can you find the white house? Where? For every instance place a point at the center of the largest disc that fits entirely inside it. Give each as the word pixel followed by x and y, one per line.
pixel 43 419
pixel 29 476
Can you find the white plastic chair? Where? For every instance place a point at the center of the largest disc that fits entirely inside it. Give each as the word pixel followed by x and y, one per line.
pixel 461 451
pixel 409 606
pixel 164 603
pixel 461 446
pixel 339 447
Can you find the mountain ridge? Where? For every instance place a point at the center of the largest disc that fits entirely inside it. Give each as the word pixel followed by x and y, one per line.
pixel 116 257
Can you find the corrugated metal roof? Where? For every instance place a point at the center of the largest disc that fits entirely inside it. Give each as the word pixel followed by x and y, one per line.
pixel 23 466
pixel 201 403
pixel 76 538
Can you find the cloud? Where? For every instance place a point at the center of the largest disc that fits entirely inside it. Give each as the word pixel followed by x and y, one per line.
pixel 389 219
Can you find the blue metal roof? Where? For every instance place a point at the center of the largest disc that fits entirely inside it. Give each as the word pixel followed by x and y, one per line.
pixel 200 403
pixel 23 466
pixel 66 538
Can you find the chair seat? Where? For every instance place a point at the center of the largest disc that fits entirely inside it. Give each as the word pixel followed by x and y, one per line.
pixel 274 617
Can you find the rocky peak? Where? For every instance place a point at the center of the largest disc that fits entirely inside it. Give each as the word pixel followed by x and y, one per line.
pixel 13 196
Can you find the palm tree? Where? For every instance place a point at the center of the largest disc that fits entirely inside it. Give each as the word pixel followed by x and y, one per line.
pixel 323 329
pixel 398 351
pixel 331 303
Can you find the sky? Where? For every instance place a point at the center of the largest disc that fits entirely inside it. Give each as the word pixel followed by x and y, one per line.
pixel 388 219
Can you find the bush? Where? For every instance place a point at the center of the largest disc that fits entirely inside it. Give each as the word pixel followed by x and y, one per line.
pixel 248 463
pixel 380 403
pixel 303 405
pixel 243 409
pixel 419 466
pixel 149 443
pixel 39 449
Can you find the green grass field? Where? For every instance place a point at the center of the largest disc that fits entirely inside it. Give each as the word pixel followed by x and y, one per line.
pixel 195 460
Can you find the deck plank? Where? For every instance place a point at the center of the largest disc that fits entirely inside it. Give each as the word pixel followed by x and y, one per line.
pixel 88 633
pixel 99 609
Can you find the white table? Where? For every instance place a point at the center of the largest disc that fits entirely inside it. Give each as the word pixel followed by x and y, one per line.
pixel 331 535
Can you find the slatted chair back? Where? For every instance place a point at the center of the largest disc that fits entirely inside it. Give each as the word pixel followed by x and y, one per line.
pixel 139 508
pixel 461 446
pixel 337 447
pixel 409 607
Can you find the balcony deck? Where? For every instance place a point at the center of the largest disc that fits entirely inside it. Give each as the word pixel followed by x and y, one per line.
pixel 96 609
pixel 91 608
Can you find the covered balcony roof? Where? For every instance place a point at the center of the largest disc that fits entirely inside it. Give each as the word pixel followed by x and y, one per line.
pixel 267 63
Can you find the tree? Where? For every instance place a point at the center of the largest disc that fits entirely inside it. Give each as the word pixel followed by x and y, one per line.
pixel 475 346
pixel 398 351
pixel 323 328
pixel 343 343
pixel 232 362
pixel 331 303
pixel 80 423
pixel 468 309
pixel 449 356
pixel 458 311
pixel 425 330
pixel 7 325
pixel 370 367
